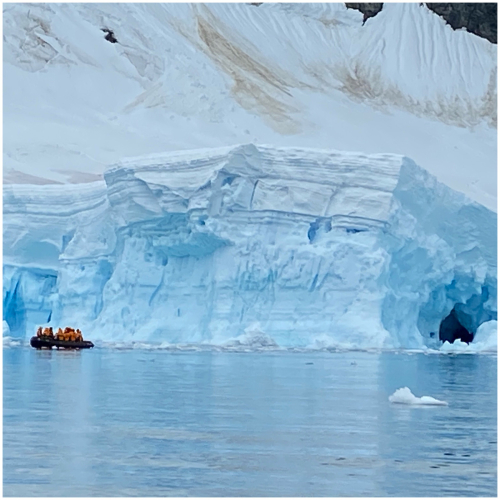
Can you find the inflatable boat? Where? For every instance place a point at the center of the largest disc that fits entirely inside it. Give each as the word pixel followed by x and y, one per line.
pixel 49 343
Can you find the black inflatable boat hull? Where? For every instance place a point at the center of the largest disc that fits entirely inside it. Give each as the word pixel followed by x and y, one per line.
pixel 45 343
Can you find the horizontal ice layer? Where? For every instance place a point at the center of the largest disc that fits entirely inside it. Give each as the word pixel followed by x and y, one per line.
pixel 307 246
pixel 41 220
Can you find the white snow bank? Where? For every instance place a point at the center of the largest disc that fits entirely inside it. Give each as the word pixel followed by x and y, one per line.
pixel 405 397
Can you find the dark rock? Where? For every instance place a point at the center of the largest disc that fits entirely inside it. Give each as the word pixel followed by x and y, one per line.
pixel 367 9
pixel 477 18
pixel 110 36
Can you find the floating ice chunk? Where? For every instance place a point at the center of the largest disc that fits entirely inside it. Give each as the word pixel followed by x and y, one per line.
pixel 456 347
pixel 11 342
pixel 405 397
pixel 253 337
pixel 485 340
pixel 323 342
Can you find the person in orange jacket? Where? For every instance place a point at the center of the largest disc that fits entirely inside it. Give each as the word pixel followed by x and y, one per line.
pixel 67 333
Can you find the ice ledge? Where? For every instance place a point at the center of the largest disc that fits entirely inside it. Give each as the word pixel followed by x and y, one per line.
pixel 361 250
pixel 300 181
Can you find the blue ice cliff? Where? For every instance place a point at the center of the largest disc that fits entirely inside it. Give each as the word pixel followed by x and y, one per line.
pixel 308 247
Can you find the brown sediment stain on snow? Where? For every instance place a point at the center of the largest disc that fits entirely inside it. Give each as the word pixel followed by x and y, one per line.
pixel 370 86
pixel 78 177
pixel 490 105
pixel 258 86
pixel 362 83
pixel 13 176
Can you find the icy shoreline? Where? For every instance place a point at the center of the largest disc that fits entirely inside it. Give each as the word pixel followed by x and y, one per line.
pixel 13 343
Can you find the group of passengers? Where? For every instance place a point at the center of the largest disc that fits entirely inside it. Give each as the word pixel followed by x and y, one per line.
pixel 69 334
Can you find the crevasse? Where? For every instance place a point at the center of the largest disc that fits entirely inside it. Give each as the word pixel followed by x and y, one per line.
pixel 315 247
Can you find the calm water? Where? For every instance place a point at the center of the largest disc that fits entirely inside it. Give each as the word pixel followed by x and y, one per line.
pixel 121 423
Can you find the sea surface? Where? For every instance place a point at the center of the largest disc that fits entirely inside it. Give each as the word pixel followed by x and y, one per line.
pixel 156 423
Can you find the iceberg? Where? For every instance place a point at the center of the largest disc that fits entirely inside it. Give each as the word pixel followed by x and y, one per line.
pixel 293 246
pixel 404 396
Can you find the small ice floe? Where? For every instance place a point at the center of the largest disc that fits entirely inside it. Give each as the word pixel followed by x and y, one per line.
pixel 253 339
pixel 11 342
pixel 404 396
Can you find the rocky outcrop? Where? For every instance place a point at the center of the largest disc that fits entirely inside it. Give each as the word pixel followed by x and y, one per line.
pixel 477 18
pixel 368 9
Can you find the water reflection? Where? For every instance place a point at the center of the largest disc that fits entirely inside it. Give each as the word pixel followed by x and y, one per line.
pixel 256 424
pixel 445 445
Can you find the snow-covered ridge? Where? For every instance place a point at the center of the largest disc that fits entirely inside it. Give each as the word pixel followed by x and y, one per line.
pixel 348 249
pixel 185 76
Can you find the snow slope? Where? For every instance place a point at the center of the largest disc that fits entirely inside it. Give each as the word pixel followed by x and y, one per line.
pixel 186 76
pixel 298 244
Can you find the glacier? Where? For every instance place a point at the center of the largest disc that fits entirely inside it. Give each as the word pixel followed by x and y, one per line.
pixel 208 236
pixel 298 246
pixel 189 76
